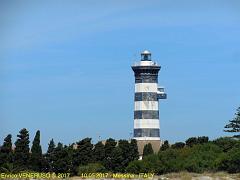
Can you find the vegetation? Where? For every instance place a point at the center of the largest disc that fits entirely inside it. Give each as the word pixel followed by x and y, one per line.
pixel 83 156
pixel 147 150
pixel 21 152
pixel 198 158
pixel 36 158
pixel 234 124
pixel 164 146
pixel 195 155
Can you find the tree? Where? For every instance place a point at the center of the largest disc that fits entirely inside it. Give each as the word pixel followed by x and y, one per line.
pixel 125 147
pixel 109 147
pixel 147 150
pixel 62 161
pixel 21 153
pixel 191 141
pixel 49 157
pixel 98 152
pixel 164 146
pixel 36 159
pixel 117 160
pixel 134 154
pixel 6 151
pixel 178 145
pixel 202 139
pixel 83 154
pixel 234 124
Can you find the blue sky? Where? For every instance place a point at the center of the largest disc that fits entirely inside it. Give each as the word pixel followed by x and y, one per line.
pixel 65 66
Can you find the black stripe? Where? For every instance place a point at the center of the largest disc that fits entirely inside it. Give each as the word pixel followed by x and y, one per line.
pixel 146 96
pixel 146 114
pixel 146 132
pixel 146 69
pixel 146 78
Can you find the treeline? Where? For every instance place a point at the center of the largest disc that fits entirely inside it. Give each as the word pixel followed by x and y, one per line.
pixel 195 155
pixel 83 156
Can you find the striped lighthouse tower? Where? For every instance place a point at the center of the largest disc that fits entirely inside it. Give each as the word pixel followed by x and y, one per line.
pixel 147 94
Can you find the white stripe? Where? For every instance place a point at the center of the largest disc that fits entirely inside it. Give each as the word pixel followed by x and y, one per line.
pixel 146 138
pixel 146 63
pixel 146 123
pixel 146 105
pixel 146 87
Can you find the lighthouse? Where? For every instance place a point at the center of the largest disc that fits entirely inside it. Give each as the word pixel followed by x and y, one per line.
pixel 146 102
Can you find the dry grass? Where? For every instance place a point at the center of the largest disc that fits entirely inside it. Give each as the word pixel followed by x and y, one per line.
pixel 195 176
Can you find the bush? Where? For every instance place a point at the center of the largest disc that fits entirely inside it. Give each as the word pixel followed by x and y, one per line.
pixel 225 143
pixel 202 158
pixel 91 168
pixel 149 164
pixel 230 161
pixel 135 167
pixel 199 158
pixel 170 160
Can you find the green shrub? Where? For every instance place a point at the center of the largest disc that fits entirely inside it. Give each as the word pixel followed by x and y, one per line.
pixel 225 143
pixel 202 158
pixel 170 160
pixel 230 161
pixel 91 168
pixel 135 167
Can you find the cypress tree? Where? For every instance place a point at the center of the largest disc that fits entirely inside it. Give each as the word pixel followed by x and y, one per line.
pixel 147 150
pixel 234 124
pixel 36 159
pixel 21 153
pixel 51 146
pixel 49 157
pixel 6 151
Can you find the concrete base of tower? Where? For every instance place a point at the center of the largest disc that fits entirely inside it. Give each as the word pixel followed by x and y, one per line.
pixel 156 144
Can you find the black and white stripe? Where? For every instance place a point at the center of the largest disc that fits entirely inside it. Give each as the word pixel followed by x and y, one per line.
pixel 146 112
